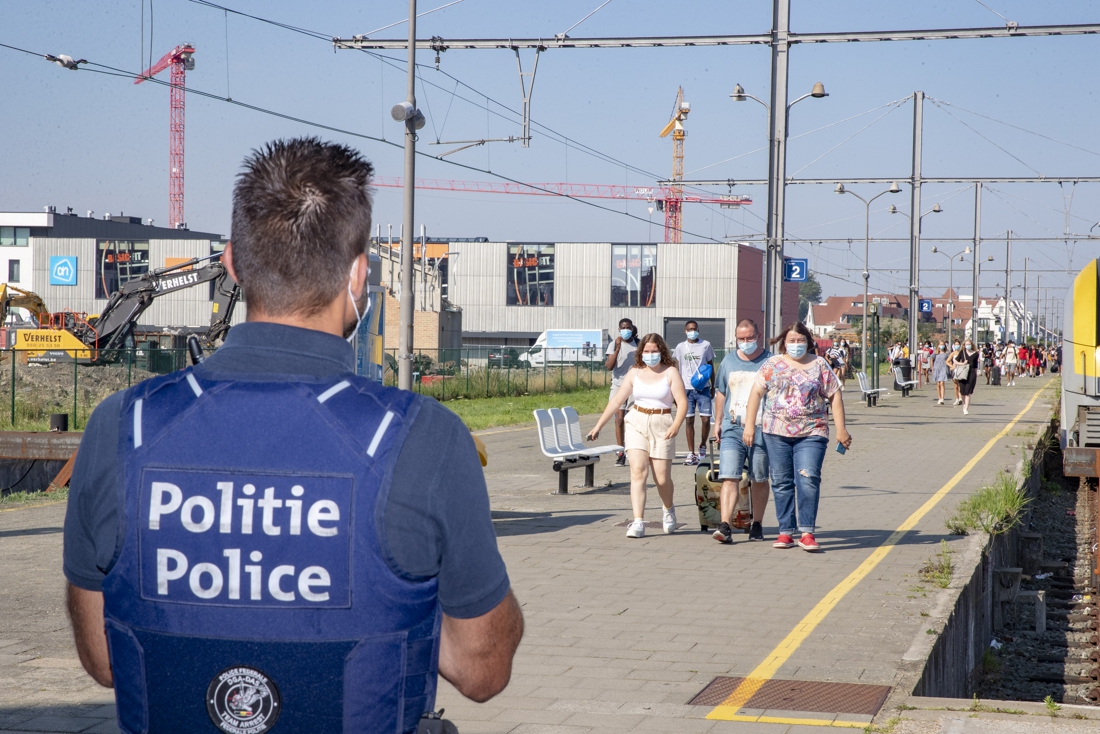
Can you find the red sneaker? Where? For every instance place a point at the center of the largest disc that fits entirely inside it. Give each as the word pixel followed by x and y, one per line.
pixel 807 542
pixel 783 541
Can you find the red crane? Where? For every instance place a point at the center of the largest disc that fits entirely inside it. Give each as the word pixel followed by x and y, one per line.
pixel 668 198
pixel 181 61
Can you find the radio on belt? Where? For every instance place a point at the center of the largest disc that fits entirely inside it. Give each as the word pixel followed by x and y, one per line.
pixel 245 539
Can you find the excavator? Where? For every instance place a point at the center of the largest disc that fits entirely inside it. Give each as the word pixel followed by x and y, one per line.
pixel 13 297
pixel 68 335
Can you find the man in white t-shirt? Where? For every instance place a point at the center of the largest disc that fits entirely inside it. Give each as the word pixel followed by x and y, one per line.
pixel 620 358
pixel 690 355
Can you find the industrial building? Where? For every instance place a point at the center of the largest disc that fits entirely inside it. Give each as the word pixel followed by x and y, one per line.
pixel 75 262
pixel 511 292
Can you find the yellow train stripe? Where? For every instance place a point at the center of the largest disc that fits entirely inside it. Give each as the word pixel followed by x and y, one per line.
pixel 783 651
pixel 1084 336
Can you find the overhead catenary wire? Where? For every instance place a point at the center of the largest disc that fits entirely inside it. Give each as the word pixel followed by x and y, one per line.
pixel 842 142
pixel 123 73
pixel 1015 127
pixel 987 139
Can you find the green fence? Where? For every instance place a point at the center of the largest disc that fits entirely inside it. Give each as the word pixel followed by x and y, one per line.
pixel 31 392
pixel 484 372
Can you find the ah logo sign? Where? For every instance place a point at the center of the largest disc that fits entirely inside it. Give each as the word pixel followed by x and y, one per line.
pixel 63 270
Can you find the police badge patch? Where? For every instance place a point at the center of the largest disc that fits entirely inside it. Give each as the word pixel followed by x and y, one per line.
pixel 242 700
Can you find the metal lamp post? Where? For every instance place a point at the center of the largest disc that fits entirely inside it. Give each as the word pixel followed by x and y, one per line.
pixel 894 189
pixel 951 285
pixel 976 263
pixel 777 174
pixel 936 209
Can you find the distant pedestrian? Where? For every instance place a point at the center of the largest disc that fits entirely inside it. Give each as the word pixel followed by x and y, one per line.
pixel 620 358
pixel 987 361
pixel 1012 361
pixel 837 360
pixel 925 361
pixel 964 365
pixel 939 370
pixel 654 383
pixel 734 382
pixel 1033 361
pixel 799 390
pixel 691 355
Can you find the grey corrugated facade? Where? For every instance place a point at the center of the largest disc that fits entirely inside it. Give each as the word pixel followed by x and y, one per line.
pixel 694 280
pixel 77 236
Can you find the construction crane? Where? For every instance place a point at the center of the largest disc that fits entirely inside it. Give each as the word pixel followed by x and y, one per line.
pixel 181 60
pixel 674 214
pixel 660 195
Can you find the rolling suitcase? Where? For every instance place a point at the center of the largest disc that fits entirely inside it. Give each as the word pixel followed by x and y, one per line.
pixel 708 489
pixel 995 374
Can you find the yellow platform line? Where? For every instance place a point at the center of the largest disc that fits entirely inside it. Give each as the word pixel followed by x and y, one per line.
pixel 34 505
pixel 727 710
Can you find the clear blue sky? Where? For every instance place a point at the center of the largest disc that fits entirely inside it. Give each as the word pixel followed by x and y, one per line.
pixel 97 142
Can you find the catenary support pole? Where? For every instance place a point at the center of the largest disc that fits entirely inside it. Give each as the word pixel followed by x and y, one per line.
pixel 976 285
pixel 914 220
pixel 777 168
pixel 408 295
pixel 1008 285
pixel 1025 330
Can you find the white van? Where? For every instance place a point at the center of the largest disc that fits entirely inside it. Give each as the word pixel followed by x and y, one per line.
pixel 569 346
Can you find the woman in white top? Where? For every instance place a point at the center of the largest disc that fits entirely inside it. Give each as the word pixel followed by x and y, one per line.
pixel 650 436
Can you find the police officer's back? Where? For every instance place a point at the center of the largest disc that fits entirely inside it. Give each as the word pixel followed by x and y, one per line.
pixel 260 535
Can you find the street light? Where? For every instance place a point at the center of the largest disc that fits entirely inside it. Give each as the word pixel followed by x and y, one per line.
pixel 777 182
pixel 951 286
pixel 894 189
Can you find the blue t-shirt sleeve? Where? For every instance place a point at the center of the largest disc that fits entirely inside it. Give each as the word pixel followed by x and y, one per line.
pixel 91 518
pixel 437 520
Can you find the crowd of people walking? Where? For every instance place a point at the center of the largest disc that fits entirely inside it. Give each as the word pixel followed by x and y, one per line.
pixel 768 412
pixel 773 416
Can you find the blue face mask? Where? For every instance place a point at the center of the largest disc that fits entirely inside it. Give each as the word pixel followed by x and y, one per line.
pixel 747 347
pixel 693 335
pixel 626 333
pixel 798 351
pixel 651 359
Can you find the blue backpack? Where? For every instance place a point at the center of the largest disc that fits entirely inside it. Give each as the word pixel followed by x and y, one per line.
pixel 701 379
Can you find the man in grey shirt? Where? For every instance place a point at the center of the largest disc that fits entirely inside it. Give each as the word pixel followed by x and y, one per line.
pixel 620 358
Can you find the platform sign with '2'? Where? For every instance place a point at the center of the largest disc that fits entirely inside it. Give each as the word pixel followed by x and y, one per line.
pixel 796 270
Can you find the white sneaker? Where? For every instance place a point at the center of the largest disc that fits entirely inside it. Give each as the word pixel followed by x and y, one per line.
pixel 958 402
pixel 940 403
pixel 636 529
pixel 669 521
pixel 966 412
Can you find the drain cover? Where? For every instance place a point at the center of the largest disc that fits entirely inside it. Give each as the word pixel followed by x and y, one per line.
pixel 796 695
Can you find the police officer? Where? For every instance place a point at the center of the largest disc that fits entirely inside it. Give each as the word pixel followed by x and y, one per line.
pixel 268 538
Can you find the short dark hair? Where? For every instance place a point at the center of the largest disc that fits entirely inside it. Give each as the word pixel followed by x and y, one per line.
pixel 747 322
pixel 301 215
pixel 691 321
pixel 625 320
pixel 662 346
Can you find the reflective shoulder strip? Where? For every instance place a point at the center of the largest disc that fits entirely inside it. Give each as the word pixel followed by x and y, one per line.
pixel 332 391
pixel 194 385
pixel 137 423
pixel 380 433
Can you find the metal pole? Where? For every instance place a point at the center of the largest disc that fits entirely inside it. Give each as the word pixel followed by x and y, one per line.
pixel 408 296
pixel 777 168
pixel 866 278
pixel 915 220
pixel 976 287
pixel 1026 331
pixel 1008 283
pixel 1038 296
pixel 13 353
pixel 951 299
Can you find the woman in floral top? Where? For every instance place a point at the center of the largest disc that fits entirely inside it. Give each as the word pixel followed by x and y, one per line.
pixel 799 388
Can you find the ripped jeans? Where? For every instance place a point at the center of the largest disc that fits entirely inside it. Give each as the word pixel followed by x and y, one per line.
pixel 796 479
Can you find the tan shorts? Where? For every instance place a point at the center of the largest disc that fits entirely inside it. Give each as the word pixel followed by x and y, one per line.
pixel 647 433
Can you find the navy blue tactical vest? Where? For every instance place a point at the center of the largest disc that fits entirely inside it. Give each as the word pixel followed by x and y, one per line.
pixel 251 588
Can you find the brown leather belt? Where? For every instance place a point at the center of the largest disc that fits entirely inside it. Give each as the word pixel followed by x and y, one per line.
pixel 652 411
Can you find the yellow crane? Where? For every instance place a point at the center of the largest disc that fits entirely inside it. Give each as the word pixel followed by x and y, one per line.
pixel 674 204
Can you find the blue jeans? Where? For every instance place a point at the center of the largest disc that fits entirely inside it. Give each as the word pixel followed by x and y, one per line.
pixel 734 452
pixel 796 479
pixel 697 402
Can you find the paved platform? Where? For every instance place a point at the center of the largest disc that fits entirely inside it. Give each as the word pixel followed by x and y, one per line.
pixel 622 633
